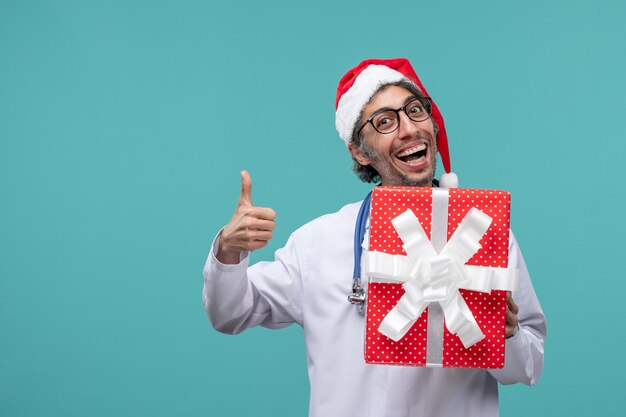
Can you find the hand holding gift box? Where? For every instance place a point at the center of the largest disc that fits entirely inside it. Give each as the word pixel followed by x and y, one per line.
pixel 434 272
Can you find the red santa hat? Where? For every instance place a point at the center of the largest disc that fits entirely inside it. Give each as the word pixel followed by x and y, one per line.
pixel 357 87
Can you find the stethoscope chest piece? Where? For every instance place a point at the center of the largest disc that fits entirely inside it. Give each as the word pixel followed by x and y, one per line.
pixel 358 294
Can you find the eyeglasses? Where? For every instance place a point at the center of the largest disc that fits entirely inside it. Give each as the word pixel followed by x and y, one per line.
pixel 387 120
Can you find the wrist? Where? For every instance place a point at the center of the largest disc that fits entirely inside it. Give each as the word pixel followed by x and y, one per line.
pixel 226 255
pixel 513 331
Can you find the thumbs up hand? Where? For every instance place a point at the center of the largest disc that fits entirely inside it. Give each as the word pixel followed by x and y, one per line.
pixel 249 229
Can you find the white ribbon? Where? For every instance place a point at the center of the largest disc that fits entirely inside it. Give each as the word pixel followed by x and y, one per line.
pixel 429 277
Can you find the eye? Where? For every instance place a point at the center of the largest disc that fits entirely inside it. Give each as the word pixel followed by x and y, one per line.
pixel 384 121
pixel 415 108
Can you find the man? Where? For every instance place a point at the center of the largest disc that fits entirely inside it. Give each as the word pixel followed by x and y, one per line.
pixel 393 132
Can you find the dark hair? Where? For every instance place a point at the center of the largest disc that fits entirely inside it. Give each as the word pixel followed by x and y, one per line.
pixel 367 173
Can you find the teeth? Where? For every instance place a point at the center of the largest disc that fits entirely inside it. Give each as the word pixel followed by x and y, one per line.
pixel 416 161
pixel 412 150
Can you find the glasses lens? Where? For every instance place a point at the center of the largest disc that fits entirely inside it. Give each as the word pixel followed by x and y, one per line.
pixel 418 110
pixel 386 121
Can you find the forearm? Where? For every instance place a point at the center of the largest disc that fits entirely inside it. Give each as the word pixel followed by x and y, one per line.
pixel 524 351
pixel 523 358
pixel 229 297
pixel 267 294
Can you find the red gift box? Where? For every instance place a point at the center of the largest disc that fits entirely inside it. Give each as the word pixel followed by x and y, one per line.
pixel 487 307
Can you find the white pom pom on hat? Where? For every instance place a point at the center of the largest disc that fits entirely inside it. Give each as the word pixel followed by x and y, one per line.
pixel 359 84
pixel 448 180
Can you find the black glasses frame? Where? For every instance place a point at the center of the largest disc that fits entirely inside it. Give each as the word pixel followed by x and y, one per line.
pixel 425 101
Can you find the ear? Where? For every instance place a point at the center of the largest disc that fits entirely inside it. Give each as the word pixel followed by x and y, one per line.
pixel 358 156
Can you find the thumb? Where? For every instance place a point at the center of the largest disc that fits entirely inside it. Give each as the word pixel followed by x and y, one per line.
pixel 246 189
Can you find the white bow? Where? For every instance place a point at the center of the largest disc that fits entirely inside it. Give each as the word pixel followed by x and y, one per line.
pixel 430 277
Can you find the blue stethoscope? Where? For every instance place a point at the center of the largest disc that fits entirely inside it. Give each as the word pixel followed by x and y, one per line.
pixel 357 297
pixel 358 294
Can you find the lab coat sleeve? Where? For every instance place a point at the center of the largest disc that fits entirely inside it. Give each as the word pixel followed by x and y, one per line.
pixel 269 294
pixel 523 351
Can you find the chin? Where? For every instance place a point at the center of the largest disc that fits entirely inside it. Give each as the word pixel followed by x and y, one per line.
pixel 417 179
pixel 418 182
pixel 407 180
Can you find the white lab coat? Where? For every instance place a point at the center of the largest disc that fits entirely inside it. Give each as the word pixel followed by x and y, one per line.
pixel 308 284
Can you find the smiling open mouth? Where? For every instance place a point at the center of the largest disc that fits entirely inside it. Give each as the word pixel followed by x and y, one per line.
pixel 414 155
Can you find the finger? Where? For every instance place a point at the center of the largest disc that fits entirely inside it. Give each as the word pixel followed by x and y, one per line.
pixel 257 244
pixel 252 222
pixel 512 306
pixel 263 213
pixel 247 234
pixel 261 235
pixel 511 318
pixel 260 224
pixel 246 189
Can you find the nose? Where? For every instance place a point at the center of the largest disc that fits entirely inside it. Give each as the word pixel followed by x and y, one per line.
pixel 407 128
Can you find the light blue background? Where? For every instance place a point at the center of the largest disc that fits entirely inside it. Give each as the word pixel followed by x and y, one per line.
pixel 123 128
